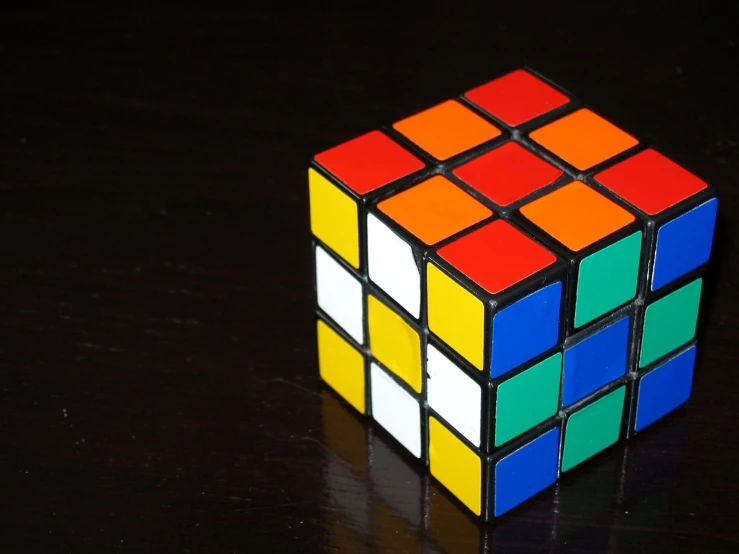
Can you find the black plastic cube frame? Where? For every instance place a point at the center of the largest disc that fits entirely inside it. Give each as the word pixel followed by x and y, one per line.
pixel 489 390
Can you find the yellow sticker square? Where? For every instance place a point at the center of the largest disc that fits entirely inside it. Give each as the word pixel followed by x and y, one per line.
pixel 394 343
pixel 341 366
pixel 334 217
pixel 455 465
pixel 455 315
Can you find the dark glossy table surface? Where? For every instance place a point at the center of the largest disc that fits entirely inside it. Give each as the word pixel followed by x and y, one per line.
pixel 159 388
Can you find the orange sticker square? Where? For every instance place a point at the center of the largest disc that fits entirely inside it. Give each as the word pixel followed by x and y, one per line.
pixel 577 215
pixel 434 209
pixel 583 139
pixel 447 129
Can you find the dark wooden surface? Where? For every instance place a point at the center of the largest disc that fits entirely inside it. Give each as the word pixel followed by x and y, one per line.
pixel 158 382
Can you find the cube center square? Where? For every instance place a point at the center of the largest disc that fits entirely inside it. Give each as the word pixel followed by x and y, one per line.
pixel 507 173
pixel 507 284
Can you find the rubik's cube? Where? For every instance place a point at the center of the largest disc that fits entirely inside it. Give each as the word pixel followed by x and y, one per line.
pixel 508 284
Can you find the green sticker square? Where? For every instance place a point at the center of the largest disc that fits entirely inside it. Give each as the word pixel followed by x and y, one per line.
pixel 592 429
pixel 527 399
pixel 670 322
pixel 607 279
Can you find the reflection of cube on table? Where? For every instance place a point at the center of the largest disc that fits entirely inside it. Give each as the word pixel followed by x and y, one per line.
pixel 508 284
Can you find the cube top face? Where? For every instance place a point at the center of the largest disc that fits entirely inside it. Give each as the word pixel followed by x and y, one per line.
pixel 583 139
pixel 510 256
pixel 434 209
pixel 650 181
pixel 369 162
pixel 577 216
pixel 508 173
pixel 507 283
pixel 516 97
pixel 447 129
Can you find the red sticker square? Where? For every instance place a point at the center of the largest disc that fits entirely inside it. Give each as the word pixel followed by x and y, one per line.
pixel 650 181
pixel 507 173
pixel 369 162
pixel 517 97
pixel 497 256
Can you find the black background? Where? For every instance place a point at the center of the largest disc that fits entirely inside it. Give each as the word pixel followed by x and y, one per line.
pixel 158 382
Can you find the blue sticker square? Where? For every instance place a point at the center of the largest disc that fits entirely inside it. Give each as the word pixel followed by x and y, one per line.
pixel 665 388
pixel 527 471
pixel 525 329
pixel 595 361
pixel 684 243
